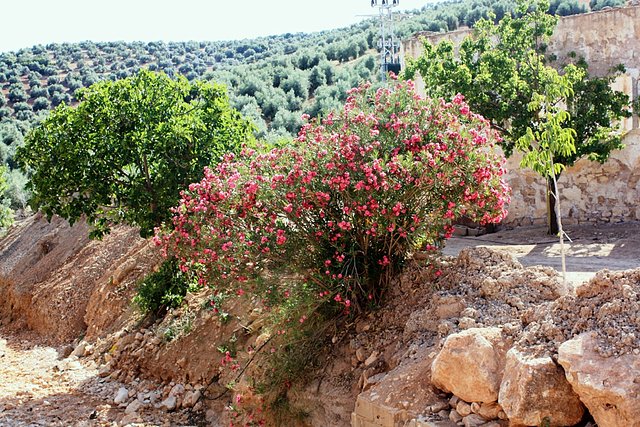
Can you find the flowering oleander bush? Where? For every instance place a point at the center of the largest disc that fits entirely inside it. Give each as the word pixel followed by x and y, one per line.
pixel 334 214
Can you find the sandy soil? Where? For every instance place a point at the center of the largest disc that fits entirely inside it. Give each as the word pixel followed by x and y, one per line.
pixel 38 389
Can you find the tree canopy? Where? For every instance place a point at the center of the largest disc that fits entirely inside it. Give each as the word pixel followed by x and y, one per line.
pixel 125 152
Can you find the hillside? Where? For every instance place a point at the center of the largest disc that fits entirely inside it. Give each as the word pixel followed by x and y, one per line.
pixel 320 281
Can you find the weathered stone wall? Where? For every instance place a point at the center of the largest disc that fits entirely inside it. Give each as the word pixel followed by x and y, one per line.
pixel 590 192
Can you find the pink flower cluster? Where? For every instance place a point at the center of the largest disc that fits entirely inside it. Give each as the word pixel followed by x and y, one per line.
pixel 339 209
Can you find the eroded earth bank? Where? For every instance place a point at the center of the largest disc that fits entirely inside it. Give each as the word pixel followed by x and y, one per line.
pixel 485 341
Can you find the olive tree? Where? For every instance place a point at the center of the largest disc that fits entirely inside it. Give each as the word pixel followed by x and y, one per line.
pixel 125 152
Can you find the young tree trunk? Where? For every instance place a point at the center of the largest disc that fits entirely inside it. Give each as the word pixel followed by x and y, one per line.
pixel 555 195
pixel 552 217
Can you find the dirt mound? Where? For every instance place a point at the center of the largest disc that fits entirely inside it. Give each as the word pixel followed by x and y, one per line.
pixel 483 287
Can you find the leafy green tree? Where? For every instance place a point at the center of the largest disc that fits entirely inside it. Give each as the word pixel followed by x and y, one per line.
pixel 16 194
pixel 17 94
pixel 55 88
pixel 503 74
pixel 271 100
pixel 124 153
pixel 21 106
pixel 297 81
pixel 291 121
pixel 38 91
pixel 59 98
pixel 566 7
pixel 317 78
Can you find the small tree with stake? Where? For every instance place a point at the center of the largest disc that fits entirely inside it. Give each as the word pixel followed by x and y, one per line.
pixel 551 139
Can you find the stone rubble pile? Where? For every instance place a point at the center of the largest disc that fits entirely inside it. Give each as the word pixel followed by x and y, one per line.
pixel 543 355
pixel 141 399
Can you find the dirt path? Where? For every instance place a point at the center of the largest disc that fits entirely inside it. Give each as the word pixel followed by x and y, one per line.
pixel 38 388
pixel 593 247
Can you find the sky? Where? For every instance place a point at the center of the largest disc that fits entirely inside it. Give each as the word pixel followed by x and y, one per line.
pixel 26 23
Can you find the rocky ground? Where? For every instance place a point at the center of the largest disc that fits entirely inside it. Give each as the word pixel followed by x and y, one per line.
pixel 40 387
pixel 129 374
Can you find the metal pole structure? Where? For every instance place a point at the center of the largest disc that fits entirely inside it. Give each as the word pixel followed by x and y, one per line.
pixel 388 44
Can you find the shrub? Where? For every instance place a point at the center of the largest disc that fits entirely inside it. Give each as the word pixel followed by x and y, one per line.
pixel 37 92
pixel 24 115
pixel 340 209
pixel 41 103
pixel 21 106
pixel 162 289
pixel 55 88
pixel 60 97
pixel 17 94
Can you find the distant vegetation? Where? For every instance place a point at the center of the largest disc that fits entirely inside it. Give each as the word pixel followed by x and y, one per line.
pixel 272 80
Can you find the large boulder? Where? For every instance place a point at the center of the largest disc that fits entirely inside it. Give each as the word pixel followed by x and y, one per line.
pixel 608 386
pixel 534 391
pixel 470 364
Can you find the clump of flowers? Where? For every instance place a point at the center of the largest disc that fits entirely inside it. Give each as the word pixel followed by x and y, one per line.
pixel 335 213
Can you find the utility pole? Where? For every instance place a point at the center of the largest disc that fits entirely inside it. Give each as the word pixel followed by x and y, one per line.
pixel 388 45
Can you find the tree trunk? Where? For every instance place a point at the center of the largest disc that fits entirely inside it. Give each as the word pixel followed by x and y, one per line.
pixel 552 218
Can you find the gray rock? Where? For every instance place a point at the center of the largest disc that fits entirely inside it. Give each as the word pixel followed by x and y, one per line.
pixel 455 416
pixel 121 396
pixel 444 414
pixel 80 349
pixel 438 406
pixel 169 403
pixel 104 370
pixel 177 390
pixel 473 420
pixel 133 407
pixel 190 399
